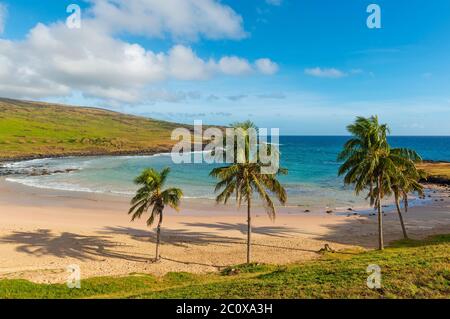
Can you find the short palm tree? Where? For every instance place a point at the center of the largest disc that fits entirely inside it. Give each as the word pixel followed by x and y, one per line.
pixel 152 195
pixel 370 162
pixel 412 185
pixel 405 182
pixel 242 179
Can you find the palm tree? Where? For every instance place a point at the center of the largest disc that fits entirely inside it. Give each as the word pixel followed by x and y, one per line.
pixel 362 155
pixel 370 162
pixel 405 182
pixel 151 194
pixel 243 179
pixel 413 185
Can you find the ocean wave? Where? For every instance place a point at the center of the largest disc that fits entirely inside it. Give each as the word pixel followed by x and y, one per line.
pixel 36 183
pixel 54 186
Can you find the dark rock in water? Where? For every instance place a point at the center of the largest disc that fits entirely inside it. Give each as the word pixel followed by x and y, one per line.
pixel 329 211
pixel 307 211
pixel 350 209
pixel 34 171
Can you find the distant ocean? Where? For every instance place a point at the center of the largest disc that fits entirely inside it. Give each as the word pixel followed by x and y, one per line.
pixel 311 160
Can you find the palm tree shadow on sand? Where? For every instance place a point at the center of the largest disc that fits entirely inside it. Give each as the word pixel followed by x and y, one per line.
pixel 272 231
pixel 176 237
pixel 44 243
pixel 185 237
pixel 282 232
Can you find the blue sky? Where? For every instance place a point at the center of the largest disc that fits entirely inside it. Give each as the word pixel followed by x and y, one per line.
pixel 308 67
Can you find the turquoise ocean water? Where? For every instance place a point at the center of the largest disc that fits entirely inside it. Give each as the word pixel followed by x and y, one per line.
pixel 311 161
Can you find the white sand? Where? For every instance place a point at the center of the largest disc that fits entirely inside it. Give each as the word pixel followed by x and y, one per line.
pixel 42 232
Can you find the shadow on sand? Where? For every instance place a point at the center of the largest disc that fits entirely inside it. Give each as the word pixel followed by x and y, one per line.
pixel 176 237
pixel 184 237
pixel 43 243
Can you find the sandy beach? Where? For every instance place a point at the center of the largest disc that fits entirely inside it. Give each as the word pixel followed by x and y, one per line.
pixel 44 231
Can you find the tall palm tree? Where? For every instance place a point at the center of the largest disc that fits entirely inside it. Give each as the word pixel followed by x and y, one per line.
pixel 362 155
pixel 243 178
pixel 152 194
pixel 370 162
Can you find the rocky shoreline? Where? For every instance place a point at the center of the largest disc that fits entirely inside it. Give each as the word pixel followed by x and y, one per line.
pixel 152 151
pixel 43 171
pixel 37 171
pixel 436 178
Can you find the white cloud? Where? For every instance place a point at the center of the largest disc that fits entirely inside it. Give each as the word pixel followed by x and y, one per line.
pixel 91 61
pixel 182 19
pixel 234 66
pixel 326 73
pixel 183 64
pixel 266 66
pixel 3 13
pixel 274 2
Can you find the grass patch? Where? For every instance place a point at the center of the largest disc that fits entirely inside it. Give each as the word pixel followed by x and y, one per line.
pixel 410 269
pixel 35 129
pixel 436 170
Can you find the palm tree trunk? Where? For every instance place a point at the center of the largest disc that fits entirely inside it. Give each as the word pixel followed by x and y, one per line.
pixel 158 236
pixel 249 232
pixel 405 200
pixel 380 217
pixel 397 204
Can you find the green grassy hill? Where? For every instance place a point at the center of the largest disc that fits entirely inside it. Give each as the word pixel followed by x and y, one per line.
pixel 409 269
pixel 36 129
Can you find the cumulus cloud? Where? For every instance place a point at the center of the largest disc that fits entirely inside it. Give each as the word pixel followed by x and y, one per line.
pixel 266 66
pixel 55 61
pixel 90 61
pixel 155 18
pixel 3 13
pixel 326 73
pixel 234 66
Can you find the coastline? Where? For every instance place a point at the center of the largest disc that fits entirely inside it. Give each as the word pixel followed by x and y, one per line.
pixel 152 151
pixel 44 231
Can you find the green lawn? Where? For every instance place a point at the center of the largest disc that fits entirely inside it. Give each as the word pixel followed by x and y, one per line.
pixel 410 269
pixel 40 129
